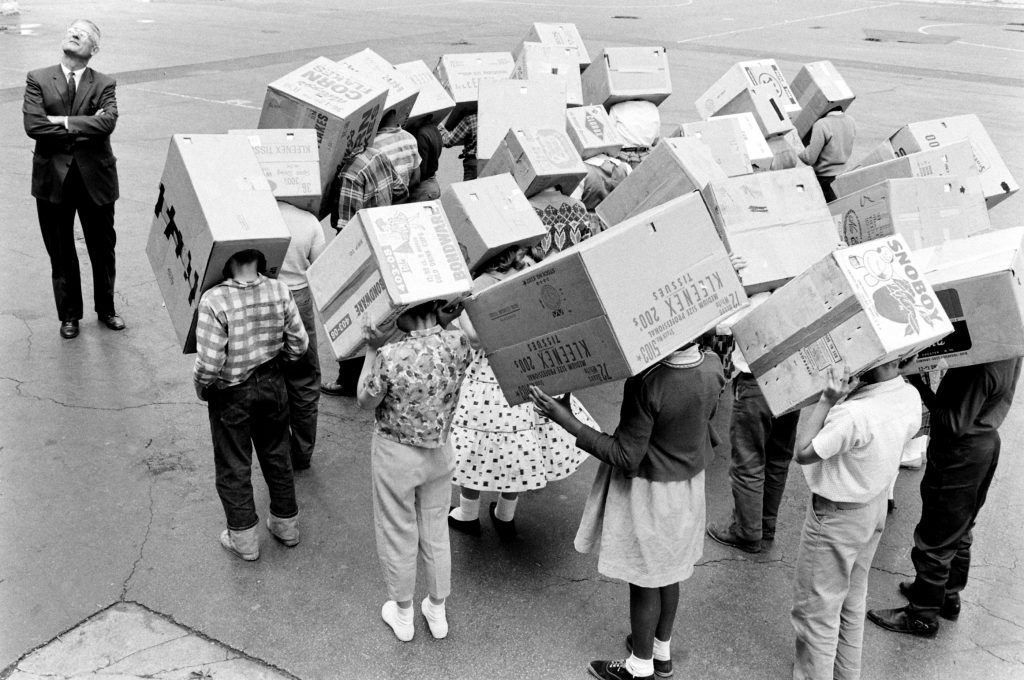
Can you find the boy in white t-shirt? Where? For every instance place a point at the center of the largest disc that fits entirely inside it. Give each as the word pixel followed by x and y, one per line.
pixel 851 451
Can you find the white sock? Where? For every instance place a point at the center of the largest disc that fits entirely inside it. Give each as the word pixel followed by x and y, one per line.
pixel 404 613
pixel 468 510
pixel 436 618
pixel 640 668
pixel 661 649
pixel 506 509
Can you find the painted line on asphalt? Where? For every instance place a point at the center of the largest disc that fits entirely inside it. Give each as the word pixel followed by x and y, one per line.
pixel 924 31
pixel 240 103
pixel 788 22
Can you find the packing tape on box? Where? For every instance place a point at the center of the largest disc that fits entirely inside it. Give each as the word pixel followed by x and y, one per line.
pixel 844 311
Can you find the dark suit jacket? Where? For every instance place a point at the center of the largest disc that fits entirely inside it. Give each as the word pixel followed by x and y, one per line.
pixel 86 141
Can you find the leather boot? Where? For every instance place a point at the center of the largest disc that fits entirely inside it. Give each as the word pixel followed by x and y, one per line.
pixel 284 530
pixel 243 544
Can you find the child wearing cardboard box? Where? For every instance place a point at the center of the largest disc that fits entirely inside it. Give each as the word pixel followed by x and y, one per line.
pixel 464 135
pixel 850 450
pixel 646 509
pixel 499 447
pixel 244 325
pixel 413 386
pixel 829 147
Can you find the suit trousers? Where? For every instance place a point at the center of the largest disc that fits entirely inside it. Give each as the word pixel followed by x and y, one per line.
pixel 411 492
pixel 57 223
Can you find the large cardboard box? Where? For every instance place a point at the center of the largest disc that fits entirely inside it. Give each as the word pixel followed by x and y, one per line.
pixel 858 307
pixel 385 260
pixel 291 163
pixel 954 160
pixel 591 131
pixel 771 119
pixel 433 102
pixel 537 160
pixel 777 221
pixel 927 211
pixel 490 214
pixel 880 154
pixel 762 74
pixel 214 201
pixel 625 73
pixel 561 35
pixel 541 59
pixel 610 306
pixel 673 168
pixel 978 282
pixel 371 67
pixel 343 109
pixel 461 74
pixel 996 180
pixel 520 104
pixel 818 88
pixel 727 141
pixel 758 151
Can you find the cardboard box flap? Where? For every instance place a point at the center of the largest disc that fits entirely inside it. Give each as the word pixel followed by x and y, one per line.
pixel 433 102
pixel 560 34
pixel 327 86
pixel 402 91
pixel 995 251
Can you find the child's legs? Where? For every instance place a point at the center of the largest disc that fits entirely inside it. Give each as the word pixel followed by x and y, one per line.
pixel 392 470
pixel 851 627
pixel 669 605
pixel 471 494
pixel 828 549
pixel 432 519
pixel 229 411
pixel 644 617
pixel 270 438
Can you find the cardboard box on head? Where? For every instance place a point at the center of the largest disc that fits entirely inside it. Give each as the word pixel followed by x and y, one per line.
pixel 537 160
pixel 758 151
pixel 674 168
pixel 213 202
pixel 461 74
pixel 561 35
pixel 521 104
pixel 763 74
pixel 771 118
pixel 627 73
pixel 727 141
pixel 818 88
pixel 433 102
pixel 996 180
pixel 384 261
pixel 344 110
pixel 927 211
pixel 951 160
pixel 488 215
pixel 978 282
pixel 859 307
pixel 591 131
pixel 543 60
pixel 574 320
pixel 777 221
pixel 402 91
pixel 291 163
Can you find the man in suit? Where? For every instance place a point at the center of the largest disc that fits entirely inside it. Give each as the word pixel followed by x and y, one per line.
pixel 71 110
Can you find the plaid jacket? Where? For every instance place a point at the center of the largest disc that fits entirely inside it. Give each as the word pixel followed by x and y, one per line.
pixel 369 180
pixel 464 134
pixel 242 326
pixel 401 149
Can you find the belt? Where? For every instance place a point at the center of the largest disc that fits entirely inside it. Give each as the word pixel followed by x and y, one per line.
pixel 840 505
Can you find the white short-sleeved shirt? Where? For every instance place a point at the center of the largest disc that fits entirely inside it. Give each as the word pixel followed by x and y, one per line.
pixel 306 245
pixel 862 441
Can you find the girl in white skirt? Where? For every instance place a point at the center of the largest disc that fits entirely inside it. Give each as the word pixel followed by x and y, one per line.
pixel 502 448
pixel 645 511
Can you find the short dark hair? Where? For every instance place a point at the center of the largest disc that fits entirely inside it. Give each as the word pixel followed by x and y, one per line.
pixel 245 257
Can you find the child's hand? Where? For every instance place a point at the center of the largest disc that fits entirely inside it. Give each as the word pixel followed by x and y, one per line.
pixel 839 385
pixel 738 262
pixel 556 410
pixel 373 337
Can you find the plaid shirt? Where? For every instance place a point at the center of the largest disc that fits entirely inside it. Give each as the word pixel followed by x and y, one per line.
pixel 464 134
pixel 401 149
pixel 242 326
pixel 369 180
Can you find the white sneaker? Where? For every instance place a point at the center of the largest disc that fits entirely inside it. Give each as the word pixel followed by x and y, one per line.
pixel 404 630
pixel 437 621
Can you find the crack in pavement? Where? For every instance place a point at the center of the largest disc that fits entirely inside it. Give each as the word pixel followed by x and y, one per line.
pixel 145 539
pixel 144 649
pixel 996 616
pixel 892 573
pixel 18 384
pixel 745 560
pixel 993 654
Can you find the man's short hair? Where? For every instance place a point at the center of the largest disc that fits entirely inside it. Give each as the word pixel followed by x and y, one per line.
pixel 93 28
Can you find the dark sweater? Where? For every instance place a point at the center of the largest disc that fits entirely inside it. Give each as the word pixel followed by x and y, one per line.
pixel 971 400
pixel 665 432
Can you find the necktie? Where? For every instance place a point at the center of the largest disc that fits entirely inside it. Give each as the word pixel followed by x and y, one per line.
pixel 72 90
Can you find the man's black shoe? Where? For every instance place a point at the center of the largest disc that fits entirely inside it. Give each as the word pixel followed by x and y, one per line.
pixel 903 621
pixel 950 609
pixel 663 669
pixel 68 329
pixel 726 536
pixel 113 322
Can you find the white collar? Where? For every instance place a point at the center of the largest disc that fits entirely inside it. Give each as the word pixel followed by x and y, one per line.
pixel 78 72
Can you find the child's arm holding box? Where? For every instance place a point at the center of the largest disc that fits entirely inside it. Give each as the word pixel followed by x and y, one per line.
pixel 836 390
pixel 371 388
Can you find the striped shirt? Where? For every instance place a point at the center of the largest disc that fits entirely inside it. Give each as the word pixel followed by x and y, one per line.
pixel 369 180
pixel 401 149
pixel 242 326
pixel 463 135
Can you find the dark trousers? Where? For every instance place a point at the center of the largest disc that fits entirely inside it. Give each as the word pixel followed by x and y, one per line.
pixel 252 414
pixel 762 448
pixel 953 490
pixel 825 182
pixel 57 223
pixel 302 380
pixel 469 168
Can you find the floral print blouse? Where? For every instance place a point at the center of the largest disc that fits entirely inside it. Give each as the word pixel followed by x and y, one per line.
pixel 420 376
